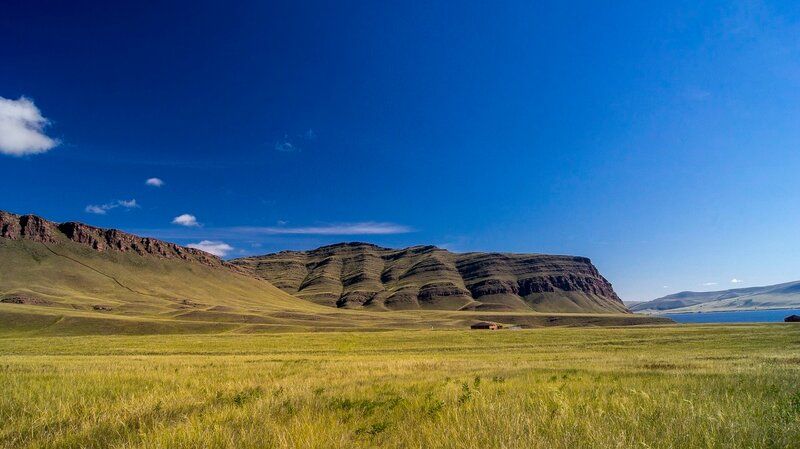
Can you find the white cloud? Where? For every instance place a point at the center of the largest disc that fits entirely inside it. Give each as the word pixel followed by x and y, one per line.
pixel 220 249
pixel 154 182
pixel 99 210
pixel 21 126
pixel 736 281
pixel 102 209
pixel 709 284
pixel 362 228
pixel 197 231
pixel 186 220
pixel 286 145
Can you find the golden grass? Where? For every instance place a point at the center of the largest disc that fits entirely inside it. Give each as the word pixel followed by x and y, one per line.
pixel 649 387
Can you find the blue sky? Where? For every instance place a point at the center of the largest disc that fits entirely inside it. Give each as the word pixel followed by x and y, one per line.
pixel 661 140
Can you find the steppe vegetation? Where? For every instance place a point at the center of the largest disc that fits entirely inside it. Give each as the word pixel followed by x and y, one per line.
pixel 650 387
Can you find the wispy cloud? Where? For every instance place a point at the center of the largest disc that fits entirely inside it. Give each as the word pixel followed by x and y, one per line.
pixel 187 220
pixel 709 284
pixel 736 281
pixel 253 234
pixel 99 210
pixel 361 228
pixel 285 145
pixel 289 144
pixel 22 128
pixel 102 209
pixel 220 249
pixel 154 182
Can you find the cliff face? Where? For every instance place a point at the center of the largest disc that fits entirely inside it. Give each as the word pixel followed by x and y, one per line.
pixel 32 227
pixel 358 275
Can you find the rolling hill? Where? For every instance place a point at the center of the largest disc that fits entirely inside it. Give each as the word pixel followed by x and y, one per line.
pixel 780 296
pixel 365 276
pixel 75 279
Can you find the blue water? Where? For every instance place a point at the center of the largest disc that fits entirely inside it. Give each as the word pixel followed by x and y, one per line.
pixel 743 316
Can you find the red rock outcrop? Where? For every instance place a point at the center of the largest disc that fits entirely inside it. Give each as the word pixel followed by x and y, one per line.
pixel 37 229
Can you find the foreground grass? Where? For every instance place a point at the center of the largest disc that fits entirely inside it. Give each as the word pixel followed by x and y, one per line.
pixel 657 387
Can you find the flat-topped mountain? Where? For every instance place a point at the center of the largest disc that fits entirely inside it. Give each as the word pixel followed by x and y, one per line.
pixel 362 275
pixel 780 296
pixel 73 278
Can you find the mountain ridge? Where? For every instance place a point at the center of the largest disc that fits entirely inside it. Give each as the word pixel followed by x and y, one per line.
pixel 76 279
pixel 359 274
pixel 777 296
pixel 37 229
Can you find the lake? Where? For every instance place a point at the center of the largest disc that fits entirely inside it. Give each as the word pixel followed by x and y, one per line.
pixel 742 316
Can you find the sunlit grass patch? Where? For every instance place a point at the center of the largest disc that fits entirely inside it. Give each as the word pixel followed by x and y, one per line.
pixel 661 387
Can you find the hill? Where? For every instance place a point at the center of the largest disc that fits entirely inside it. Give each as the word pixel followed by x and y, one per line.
pixel 75 279
pixel 366 276
pixel 780 296
pixel 79 278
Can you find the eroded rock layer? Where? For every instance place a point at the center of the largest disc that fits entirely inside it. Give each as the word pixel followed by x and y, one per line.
pixel 32 227
pixel 356 275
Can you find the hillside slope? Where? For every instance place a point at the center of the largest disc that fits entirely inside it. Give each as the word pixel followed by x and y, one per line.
pixel 780 296
pixel 361 275
pixel 93 274
pixel 75 279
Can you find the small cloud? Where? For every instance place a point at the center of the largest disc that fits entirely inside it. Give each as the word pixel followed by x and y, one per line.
pixel 186 220
pixel 736 281
pixel 289 145
pixel 219 249
pixel 282 222
pixel 99 210
pixel 665 286
pixel 21 128
pixel 154 182
pixel 130 204
pixel 709 284
pixel 102 209
pixel 285 145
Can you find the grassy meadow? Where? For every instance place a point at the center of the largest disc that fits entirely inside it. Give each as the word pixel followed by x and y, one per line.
pixel 646 387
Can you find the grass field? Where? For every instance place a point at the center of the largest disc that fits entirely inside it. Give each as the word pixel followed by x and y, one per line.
pixel 649 387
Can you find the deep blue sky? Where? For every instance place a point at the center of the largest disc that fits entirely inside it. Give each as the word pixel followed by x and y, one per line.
pixel 662 141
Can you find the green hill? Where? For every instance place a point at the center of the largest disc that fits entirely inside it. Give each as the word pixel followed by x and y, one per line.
pixel 72 278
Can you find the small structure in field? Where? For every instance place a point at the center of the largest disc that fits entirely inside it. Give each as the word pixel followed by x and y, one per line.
pixel 792 319
pixel 485 325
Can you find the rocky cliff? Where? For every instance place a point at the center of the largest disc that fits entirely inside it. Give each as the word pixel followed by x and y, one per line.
pixel 356 275
pixel 32 227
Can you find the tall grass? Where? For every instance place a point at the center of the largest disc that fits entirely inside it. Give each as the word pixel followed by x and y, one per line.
pixel 659 387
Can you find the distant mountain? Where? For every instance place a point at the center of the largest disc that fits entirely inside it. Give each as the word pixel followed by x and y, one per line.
pixel 362 275
pixel 780 296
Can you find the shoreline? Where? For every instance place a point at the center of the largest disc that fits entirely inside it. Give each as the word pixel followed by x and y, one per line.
pixel 719 311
